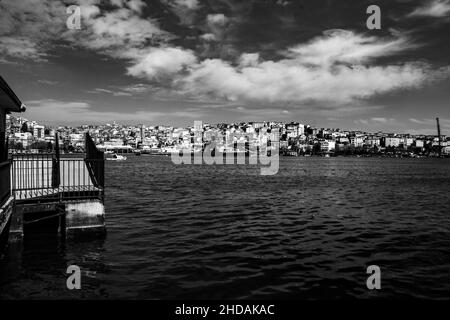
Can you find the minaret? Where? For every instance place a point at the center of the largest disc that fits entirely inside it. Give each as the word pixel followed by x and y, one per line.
pixel 142 133
pixel 439 136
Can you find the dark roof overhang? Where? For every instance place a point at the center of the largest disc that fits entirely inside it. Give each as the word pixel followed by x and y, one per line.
pixel 8 99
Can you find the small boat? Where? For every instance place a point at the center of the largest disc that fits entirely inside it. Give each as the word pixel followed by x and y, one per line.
pixel 116 157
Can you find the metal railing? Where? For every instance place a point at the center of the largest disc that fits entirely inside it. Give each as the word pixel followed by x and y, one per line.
pixel 32 175
pixel 45 177
pixel 95 161
pixel 50 177
pixel 78 182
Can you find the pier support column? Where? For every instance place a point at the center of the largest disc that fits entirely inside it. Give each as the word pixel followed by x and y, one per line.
pixel 85 217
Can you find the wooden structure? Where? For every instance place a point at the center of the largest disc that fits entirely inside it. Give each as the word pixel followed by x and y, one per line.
pixel 9 102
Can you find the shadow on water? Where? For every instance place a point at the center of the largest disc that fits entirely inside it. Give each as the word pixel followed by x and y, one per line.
pixel 4 239
pixel 42 244
pixel 36 266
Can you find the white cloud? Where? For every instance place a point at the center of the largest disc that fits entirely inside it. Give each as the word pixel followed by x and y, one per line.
pixel 341 46
pixel 76 112
pixel 190 4
pixel 417 121
pixel 186 10
pixel 135 5
pixel 115 30
pixel 160 62
pixel 434 8
pixel 362 121
pixel 35 18
pixel 129 90
pixel 218 19
pixel 48 82
pixel 249 60
pixel 262 113
pixel 35 24
pixel 25 26
pixel 118 3
pixel 332 68
pixel 137 88
pixel 89 9
pixel 21 48
pixel 79 112
pixel 283 3
pixel 445 123
pixel 383 120
pixel 208 37
pixel 377 122
pixel 116 93
pixel 218 26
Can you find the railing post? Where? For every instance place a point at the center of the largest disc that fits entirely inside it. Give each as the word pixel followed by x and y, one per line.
pixel 56 181
pixel 95 162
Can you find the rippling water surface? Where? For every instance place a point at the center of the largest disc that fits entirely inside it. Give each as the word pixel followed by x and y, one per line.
pixel 226 232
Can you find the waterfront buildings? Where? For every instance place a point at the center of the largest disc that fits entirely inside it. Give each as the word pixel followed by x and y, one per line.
pixel 294 138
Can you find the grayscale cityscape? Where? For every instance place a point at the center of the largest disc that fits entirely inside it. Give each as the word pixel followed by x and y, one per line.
pixel 209 154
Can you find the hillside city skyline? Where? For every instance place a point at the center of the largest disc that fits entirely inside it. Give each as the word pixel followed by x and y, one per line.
pixel 295 138
pixel 432 122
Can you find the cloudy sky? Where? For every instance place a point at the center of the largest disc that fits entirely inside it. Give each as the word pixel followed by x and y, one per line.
pixel 175 61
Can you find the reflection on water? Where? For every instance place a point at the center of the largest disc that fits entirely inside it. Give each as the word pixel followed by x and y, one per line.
pixel 36 267
pixel 227 232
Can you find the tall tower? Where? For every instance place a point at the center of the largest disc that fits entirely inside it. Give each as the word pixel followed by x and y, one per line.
pixel 142 132
pixel 439 136
pixel 198 126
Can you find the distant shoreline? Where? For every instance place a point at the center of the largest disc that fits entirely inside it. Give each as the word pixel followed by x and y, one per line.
pixel 325 155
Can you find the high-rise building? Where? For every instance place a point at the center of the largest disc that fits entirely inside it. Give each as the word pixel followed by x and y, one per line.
pixel 198 126
pixel 142 132
pixel 39 132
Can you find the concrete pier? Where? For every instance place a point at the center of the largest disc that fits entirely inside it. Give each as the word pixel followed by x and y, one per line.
pixel 67 219
pixel 84 217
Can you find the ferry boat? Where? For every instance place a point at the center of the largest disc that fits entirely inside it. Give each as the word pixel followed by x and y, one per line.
pixel 116 157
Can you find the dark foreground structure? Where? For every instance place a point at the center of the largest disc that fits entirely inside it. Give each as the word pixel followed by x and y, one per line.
pixel 47 192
